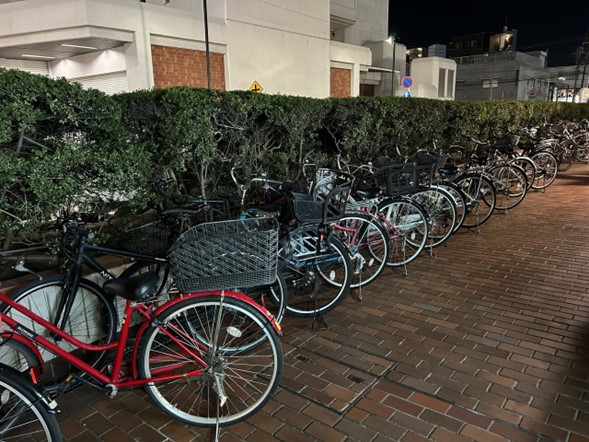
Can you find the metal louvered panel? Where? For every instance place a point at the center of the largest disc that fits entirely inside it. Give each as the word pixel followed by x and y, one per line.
pixel 34 67
pixel 111 83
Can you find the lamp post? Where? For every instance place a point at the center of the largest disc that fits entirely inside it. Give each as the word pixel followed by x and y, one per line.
pixel 391 40
pixel 207 51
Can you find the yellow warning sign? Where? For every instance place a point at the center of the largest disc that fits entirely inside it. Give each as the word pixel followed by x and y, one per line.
pixel 255 87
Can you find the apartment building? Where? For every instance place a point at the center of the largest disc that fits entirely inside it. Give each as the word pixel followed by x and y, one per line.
pixel 314 48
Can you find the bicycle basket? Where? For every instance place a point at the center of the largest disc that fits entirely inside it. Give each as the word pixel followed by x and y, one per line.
pixel 226 255
pixel 405 178
pixel 328 200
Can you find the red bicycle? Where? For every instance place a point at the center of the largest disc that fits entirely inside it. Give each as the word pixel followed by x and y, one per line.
pixel 210 358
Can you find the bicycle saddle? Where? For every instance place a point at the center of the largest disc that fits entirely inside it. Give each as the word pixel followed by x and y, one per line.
pixel 367 193
pixel 133 288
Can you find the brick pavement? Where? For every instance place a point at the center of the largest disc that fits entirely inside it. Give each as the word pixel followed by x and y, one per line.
pixel 487 340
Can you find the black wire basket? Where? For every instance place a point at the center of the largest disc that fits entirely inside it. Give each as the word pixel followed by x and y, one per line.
pixel 226 255
pixel 405 178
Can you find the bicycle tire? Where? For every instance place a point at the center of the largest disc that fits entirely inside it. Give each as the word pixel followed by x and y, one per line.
pixel 407 226
pixel 566 158
pixel 480 194
pixel 249 378
pixel 17 355
pixel 23 414
pixel 276 293
pixel 582 153
pixel 511 187
pixel 93 318
pixel 546 169
pixel 320 282
pixel 459 200
pixel 441 214
pixel 367 242
pixel 529 168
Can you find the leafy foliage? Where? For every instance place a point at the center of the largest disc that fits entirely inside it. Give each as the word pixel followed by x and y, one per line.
pixel 63 148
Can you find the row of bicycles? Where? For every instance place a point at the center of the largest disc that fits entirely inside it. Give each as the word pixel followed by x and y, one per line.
pixel 197 323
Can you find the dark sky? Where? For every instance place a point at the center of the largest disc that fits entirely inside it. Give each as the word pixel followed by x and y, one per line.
pixel 559 28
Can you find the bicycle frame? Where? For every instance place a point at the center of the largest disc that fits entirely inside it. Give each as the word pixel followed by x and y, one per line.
pixel 115 380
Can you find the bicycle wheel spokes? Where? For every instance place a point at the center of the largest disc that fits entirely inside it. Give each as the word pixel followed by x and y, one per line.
pixel 319 282
pixel 215 336
pixel 510 184
pixel 92 319
pixel 441 212
pixel 367 243
pixel 22 415
pixel 407 227
pixel 480 198
pixel 547 167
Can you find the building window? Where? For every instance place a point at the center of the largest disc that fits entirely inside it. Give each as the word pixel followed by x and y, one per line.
pixel 489 83
pixel 450 84
pixel 473 43
pixel 442 83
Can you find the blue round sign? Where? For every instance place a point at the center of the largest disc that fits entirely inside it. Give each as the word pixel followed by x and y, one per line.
pixel 407 82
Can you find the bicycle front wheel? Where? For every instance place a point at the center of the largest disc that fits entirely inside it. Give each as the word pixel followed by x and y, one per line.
pixel 368 245
pixel 319 282
pixel 480 198
pixel 441 214
pixel 92 319
pixel 407 227
pixel 546 169
pixel 17 355
pixel 235 381
pixel 510 185
pixel 23 416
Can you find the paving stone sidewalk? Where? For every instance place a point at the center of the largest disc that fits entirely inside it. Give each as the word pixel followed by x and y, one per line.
pixel 486 340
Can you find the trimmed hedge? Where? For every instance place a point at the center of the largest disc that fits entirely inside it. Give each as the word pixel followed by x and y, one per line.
pixel 63 148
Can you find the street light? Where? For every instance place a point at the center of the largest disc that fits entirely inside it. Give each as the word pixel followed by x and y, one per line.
pixel 391 40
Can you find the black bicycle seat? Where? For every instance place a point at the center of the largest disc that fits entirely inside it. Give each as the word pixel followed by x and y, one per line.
pixel 133 288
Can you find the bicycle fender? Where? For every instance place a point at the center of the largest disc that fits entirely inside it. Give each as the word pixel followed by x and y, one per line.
pixel 33 389
pixel 16 337
pixel 229 294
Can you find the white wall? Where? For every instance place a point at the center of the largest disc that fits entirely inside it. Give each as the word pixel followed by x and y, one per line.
pixel 371 23
pixel 425 73
pixel 283 45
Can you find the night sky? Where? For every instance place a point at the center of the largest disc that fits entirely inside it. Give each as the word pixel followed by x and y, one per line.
pixel 559 28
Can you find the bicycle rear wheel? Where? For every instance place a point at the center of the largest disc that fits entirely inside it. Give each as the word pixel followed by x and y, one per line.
pixel 235 381
pixel 92 319
pixel 368 245
pixel 23 414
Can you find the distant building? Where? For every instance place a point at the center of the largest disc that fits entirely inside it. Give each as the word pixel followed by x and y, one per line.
pixel 482 43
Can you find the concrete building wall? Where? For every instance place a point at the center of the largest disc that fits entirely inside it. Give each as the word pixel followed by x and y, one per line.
pixel 283 45
pixel 371 22
pixel 433 77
